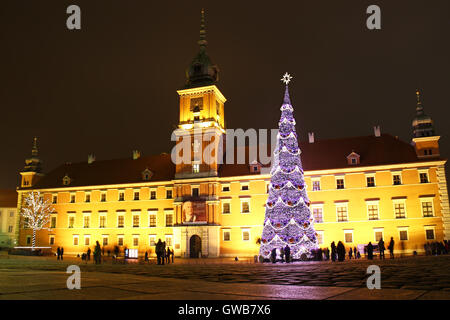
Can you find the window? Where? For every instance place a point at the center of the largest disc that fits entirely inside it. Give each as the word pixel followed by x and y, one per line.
pixel 120 241
pixel 121 196
pixel 135 221
pixel 372 211
pixel 152 219
pixel 169 194
pixel 429 233
pixel 195 192
pixel 136 195
pixel 225 188
pixel 348 236
pixel 86 220
pixel 399 210
pixel 317 214
pixel 423 177
pixel 244 187
pixel 87 240
pixel 72 198
pixel 105 240
pixel 403 234
pixel 320 237
pixel 29 240
pixel 316 185
pixel 427 208
pixel 378 235
pixel 196 166
pixel 396 178
pixel 10 229
pixel 370 181
pixel 153 195
pixel 226 235
pixel 342 213
pixel 53 222
pixel 103 197
pixel 245 206
pixel 225 207
pixel 428 152
pixel 88 197
pixel 75 240
pixel 168 240
pixel 54 199
pixel 51 240
pixel 135 241
pixel 120 221
pixel 245 234
pixel 71 221
pixel 102 222
pixel 340 183
pixel 169 219
pixel 152 240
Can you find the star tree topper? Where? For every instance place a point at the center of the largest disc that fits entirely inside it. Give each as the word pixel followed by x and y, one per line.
pixel 286 78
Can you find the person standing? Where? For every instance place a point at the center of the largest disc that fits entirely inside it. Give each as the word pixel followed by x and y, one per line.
pixel 146 257
pixel 355 253
pixel 62 253
pixel 287 253
pixel 350 253
pixel 273 255
pixel 341 251
pixel 370 251
pixel 282 254
pixel 168 255
pixel 88 254
pixel 163 251
pixel 58 252
pixel 381 248
pixel 158 251
pixel 333 251
pixel 391 248
pixel 97 253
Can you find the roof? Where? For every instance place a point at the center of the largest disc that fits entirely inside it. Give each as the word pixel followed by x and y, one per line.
pixel 332 154
pixel 320 155
pixel 8 198
pixel 107 172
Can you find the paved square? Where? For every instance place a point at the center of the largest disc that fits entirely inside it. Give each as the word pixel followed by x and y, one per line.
pixel 212 279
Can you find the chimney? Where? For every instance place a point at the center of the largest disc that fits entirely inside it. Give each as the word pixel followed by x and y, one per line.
pixel 91 158
pixel 311 137
pixel 377 131
pixel 136 154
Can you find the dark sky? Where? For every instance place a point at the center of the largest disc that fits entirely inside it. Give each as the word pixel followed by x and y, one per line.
pixel 111 87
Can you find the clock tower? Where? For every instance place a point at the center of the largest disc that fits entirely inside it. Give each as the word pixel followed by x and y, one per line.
pixel 201 125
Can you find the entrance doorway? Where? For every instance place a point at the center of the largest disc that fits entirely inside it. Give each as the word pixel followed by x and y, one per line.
pixel 195 246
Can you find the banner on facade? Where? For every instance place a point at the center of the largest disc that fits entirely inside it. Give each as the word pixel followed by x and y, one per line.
pixel 194 211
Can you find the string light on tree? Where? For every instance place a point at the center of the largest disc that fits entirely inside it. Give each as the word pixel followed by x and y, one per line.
pixel 288 220
pixel 36 214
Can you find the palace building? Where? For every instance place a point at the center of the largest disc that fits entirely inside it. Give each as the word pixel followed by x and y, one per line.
pixel 361 189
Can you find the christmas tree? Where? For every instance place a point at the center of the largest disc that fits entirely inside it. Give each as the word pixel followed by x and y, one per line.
pixel 288 220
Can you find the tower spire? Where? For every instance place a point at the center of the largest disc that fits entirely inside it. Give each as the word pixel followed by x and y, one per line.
pixel 419 107
pixel 202 41
pixel 286 79
pixel 34 150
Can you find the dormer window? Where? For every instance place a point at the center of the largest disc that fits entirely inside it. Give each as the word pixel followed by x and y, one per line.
pixel 353 158
pixel 255 167
pixel 66 180
pixel 146 174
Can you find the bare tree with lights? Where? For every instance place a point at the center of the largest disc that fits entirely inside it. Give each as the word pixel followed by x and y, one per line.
pixel 36 214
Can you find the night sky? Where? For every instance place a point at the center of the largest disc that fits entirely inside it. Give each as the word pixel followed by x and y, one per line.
pixel 111 87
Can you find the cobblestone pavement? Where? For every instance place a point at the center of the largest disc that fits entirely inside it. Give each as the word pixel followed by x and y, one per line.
pixel 415 273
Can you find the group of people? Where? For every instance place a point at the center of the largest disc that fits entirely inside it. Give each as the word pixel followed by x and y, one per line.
pixel 339 253
pixel 97 254
pixel 162 255
pixel 285 254
pixel 436 248
pixel 60 253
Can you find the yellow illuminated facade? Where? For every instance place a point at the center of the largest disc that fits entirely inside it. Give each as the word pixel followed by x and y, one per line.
pixel 360 197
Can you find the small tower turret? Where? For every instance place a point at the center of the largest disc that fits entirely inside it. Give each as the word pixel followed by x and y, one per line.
pixel 31 173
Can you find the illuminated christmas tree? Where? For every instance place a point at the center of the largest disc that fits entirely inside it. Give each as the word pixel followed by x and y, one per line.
pixel 288 220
